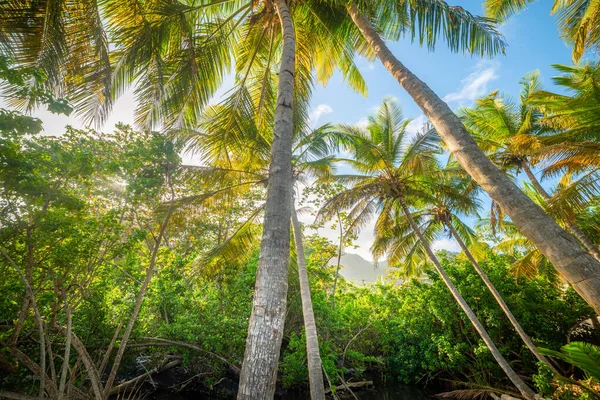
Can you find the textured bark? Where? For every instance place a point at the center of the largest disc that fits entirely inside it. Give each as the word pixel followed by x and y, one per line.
pixel 315 375
pixel 526 339
pixel 578 267
pixel 39 321
pixel 512 375
pixel 339 261
pixel 573 228
pixel 265 330
pixel 67 356
pixel 109 350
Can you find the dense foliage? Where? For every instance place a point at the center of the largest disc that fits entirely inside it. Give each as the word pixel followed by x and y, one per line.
pixel 79 210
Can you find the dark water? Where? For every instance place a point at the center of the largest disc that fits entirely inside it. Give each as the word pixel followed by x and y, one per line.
pixel 164 387
pixel 380 391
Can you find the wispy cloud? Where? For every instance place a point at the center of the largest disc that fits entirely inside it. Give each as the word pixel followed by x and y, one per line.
pixel 476 84
pixel 446 244
pixel 416 124
pixel 362 123
pixel 317 112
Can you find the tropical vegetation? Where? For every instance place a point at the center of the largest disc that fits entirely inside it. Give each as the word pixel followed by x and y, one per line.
pixel 122 264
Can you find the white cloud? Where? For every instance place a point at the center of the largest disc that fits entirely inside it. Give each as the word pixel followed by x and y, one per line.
pixel 362 123
pixel 475 84
pixel 446 244
pixel 416 124
pixel 318 112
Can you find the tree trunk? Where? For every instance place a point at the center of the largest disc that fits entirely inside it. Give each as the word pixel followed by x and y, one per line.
pixel 579 268
pixel 339 261
pixel 578 233
pixel 315 375
pixel 512 375
pixel 265 331
pixel 39 321
pixel 526 339
pixel 67 356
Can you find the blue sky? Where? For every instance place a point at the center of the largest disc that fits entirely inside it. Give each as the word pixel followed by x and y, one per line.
pixel 533 43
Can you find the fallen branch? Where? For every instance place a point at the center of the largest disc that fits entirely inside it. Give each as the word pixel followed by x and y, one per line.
pixel 350 385
pixel 232 367
pixel 16 396
pixel 133 382
pixel 502 397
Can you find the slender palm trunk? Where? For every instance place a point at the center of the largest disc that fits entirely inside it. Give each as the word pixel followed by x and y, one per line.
pixel 512 375
pixel 579 268
pixel 573 228
pixel 526 339
pixel 315 374
pixel 265 331
pixel 339 261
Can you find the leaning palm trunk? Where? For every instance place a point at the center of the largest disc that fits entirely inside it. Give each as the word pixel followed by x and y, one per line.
pixel 315 375
pixel 573 228
pixel 512 375
pixel 265 331
pixel 579 268
pixel 526 339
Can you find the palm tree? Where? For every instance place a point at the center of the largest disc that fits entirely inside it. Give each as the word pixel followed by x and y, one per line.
pixel 579 268
pixel 234 165
pixel 509 133
pixel 173 88
pixel 66 43
pixel 455 198
pixel 572 151
pixel 578 21
pixel 176 54
pixel 315 373
pixel 393 172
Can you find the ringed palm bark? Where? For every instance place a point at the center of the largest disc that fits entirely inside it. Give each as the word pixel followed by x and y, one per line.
pixel 456 197
pixel 233 163
pixel 265 331
pixel 174 88
pixel 579 268
pixel 392 172
pixel 510 134
pixel 315 372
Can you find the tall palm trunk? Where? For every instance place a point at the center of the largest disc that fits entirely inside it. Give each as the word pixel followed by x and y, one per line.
pixel 512 375
pixel 315 374
pixel 265 331
pixel 579 268
pixel 526 339
pixel 578 233
pixel 339 261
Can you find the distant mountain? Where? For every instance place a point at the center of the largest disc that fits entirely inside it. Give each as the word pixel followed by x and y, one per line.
pixel 358 270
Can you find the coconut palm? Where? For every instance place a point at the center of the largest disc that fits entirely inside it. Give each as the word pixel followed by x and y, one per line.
pixel 578 20
pixel 393 174
pixel 233 162
pixel 455 198
pixel 572 152
pixel 467 33
pixel 510 133
pixel 440 213
pixel 267 47
pixel 66 42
